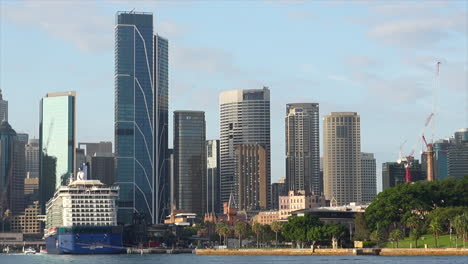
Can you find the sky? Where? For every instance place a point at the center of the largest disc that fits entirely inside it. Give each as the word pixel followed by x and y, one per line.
pixel 374 58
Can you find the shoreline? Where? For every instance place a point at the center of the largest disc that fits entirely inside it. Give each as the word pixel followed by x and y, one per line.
pixel 347 251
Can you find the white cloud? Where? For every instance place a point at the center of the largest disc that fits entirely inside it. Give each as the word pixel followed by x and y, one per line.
pixel 297 14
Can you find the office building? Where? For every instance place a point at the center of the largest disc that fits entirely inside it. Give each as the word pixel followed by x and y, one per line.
pixel 91 148
pixel 103 167
pixel 302 147
pixel 251 177
pixel 32 158
pixel 294 201
pixel 244 119
pixel 342 157
pixel 190 161
pixel 172 186
pixel 3 108
pixel 267 217
pixel 393 173
pixel 80 159
pixel 134 116
pixel 457 160
pixel 23 137
pixel 12 170
pixel 368 177
pixel 56 142
pixel 441 158
pixel 278 189
pixel 28 222
pixel 213 202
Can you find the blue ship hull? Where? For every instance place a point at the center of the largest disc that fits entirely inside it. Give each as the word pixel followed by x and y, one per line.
pixel 85 240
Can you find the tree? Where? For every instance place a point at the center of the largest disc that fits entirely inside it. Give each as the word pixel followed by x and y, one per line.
pixel 297 227
pixel 336 232
pixel 276 227
pixel 362 232
pixel 377 236
pixel 219 230
pixel 257 229
pixel 396 235
pixel 317 233
pixel 415 223
pixel 435 226
pixel 460 223
pixel 240 230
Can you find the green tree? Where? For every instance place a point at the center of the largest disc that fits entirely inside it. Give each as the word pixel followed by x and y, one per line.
pixel 276 227
pixel 240 229
pixel 336 232
pixel 415 223
pixel 316 234
pixel 377 236
pixel 219 230
pixel 460 224
pixel 396 235
pixel 362 233
pixel 297 227
pixel 435 226
pixel 257 229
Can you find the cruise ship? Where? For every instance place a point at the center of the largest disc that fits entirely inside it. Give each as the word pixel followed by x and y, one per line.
pixel 81 218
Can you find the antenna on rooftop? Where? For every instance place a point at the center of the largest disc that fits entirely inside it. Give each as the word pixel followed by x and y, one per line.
pixel 132 11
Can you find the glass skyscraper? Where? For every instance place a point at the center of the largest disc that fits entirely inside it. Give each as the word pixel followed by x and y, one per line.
pixel 3 108
pixel 56 142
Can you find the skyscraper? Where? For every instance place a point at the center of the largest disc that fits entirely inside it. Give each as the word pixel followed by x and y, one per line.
pixel 393 173
pixel 32 158
pixel 342 157
pixel 251 181
pixel 190 161
pixel 56 142
pixel 161 99
pixel 368 177
pixel 278 189
pixel 244 119
pixel 103 167
pixel 93 148
pixel 213 202
pixel 134 115
pixel 3 108
pixel 12 170
pixel 458 154
pixel 302 147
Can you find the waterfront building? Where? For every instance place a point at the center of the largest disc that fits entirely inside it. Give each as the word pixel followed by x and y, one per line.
pixel 369 177
pixel 161 132
pixel 28 222
pixel 251 177
pixel 56 142
pixel 458 154
pixel 244 119
pixel 12 170
pixel 134 115
pixel 3 108
pixel 213 202
pixel 278 189
pixel 303 147
pixel 103 167
pixel 190 161
pixel 342 157
pixel 299 200
pixel 32 158
pixel 267 217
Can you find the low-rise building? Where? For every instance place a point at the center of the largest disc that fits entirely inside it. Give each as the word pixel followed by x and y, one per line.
pixel 266 217
pixel 299 200
pixel 28 222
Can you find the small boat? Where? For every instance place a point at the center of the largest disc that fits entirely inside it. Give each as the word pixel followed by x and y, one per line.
pixel 29 251
pixel 6 250
pixel 43 251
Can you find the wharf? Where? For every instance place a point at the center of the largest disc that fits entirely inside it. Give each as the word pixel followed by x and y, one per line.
pixel 159 251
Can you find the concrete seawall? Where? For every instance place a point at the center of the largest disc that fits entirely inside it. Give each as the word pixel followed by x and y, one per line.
pixel 305 252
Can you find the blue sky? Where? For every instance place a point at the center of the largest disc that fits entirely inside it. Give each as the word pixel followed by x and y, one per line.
pixel 374 58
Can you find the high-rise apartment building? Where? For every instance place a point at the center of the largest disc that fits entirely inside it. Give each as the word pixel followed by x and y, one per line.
pixel 161 98
pixel 457 159
pixel 190 161
pixel 32 158
pixel 278 189
pixel 368 177
pixel 56 142
pixel 244 119
pixel 213 202
pixel 12 170
pixel 251 177
pixel 3 108
pixel 141 115
pixel 342 157
pixel 302 147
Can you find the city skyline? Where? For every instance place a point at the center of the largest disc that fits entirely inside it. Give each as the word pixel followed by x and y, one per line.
pixel 375 114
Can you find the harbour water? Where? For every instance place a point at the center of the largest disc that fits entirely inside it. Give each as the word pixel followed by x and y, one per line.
pixel 189 258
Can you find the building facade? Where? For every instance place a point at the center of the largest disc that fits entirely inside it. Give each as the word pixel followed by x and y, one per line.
pixel 32 158
pixel 161 142
pixel 134 115
pixel 342 157
pixel 3 108
pixel 56 142
pixel 299 200
pixel 369 177
pixel 244 119
pixel 278 189
pixel 303 147
pixel 213 199
pixel 441 158
pixel 28 223
pixel 393 173
pixel 457 160
pixel 103 167
pixel 251 177
pixel 267 217
pixel 190 161
pixel 91 148
pixel 12 171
